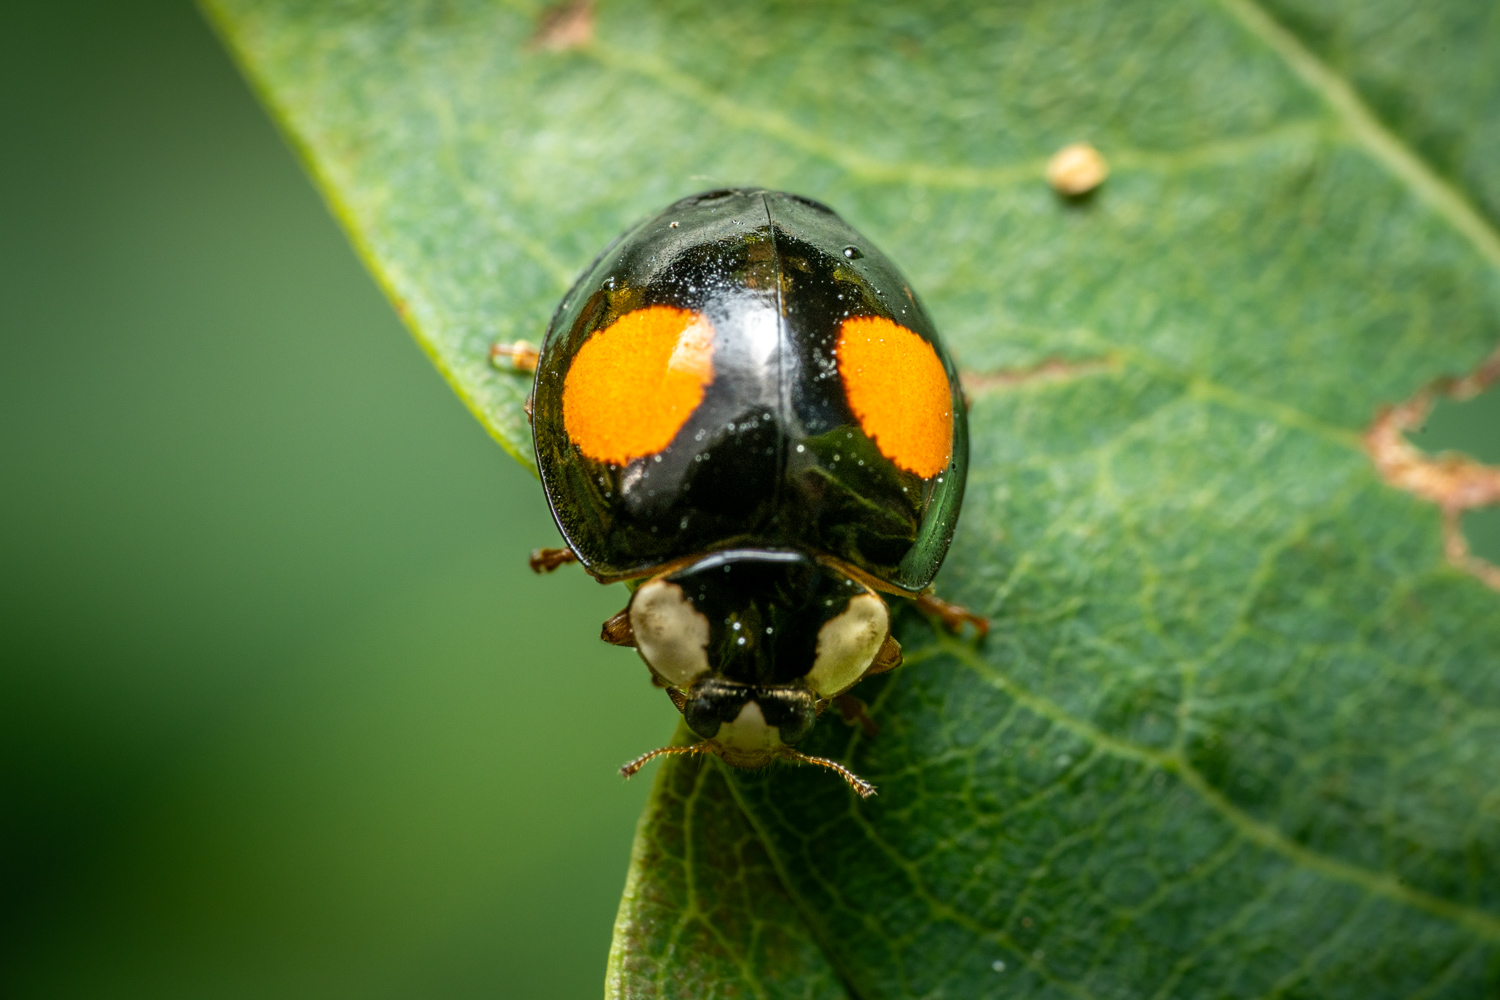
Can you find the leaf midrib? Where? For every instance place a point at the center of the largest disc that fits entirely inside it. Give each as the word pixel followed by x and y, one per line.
pixel 692 910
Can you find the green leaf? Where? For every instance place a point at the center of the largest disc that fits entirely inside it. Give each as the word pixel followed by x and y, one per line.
pixel 1236 732
pixel 705 907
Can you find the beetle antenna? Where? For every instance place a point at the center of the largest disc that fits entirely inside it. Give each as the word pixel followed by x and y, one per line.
pixel 861 787
pixel 629 769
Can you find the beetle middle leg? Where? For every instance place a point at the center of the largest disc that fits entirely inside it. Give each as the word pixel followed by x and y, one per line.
pixel 855 712
pixel 953 616
pixel 547 560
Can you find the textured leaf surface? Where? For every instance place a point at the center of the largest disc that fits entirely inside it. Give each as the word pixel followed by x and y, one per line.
pixel 705 909
pixel 1236 732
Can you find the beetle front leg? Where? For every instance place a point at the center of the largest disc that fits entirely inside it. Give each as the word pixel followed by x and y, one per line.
pixel 617 631
pixel 547 560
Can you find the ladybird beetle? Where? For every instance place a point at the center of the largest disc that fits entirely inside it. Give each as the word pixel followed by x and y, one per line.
pixel 742 411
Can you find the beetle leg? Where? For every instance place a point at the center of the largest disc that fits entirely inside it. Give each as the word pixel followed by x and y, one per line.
pixel 617 631
pixel 855 711
pixel 521 356
pixel 678 698
pixel 953 615
pixel 889 658
pixel 547 560
pixel 526 406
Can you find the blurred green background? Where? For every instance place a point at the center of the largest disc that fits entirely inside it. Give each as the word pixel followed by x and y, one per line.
pixel 281 710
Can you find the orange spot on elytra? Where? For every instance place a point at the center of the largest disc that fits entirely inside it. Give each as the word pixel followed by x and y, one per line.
pixel 634 383
pixel 899 393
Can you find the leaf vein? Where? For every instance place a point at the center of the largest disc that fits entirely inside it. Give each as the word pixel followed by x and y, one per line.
pixel 1381 143
pixel 768 123
pixel 1477 921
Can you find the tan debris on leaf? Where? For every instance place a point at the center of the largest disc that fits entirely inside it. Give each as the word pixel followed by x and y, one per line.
pixel 563 26
pixel 1076 169
pixel 521 356
pixel 1050 370
pixel 1456 483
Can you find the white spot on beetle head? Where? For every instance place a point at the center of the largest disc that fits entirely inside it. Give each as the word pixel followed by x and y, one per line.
pixel 670 634
pixel 748 732
pixel 847 644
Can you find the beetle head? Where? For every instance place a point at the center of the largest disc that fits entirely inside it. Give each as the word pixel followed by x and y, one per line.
pixel 752 643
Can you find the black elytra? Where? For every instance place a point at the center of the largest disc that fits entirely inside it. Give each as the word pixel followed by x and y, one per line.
pixel 734 476
pixel 772 480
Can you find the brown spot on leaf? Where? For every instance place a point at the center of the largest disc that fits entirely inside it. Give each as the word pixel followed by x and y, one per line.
pixel 1050 370
pixel 563 26
pixel 1456 483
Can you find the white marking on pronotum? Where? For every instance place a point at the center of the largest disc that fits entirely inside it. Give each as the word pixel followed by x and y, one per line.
pixel 670 633
pixel 847 643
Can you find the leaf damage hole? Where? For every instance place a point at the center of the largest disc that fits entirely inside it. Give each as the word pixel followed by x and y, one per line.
pixel 564 26
pixel 1453 481
pixel 1052 369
